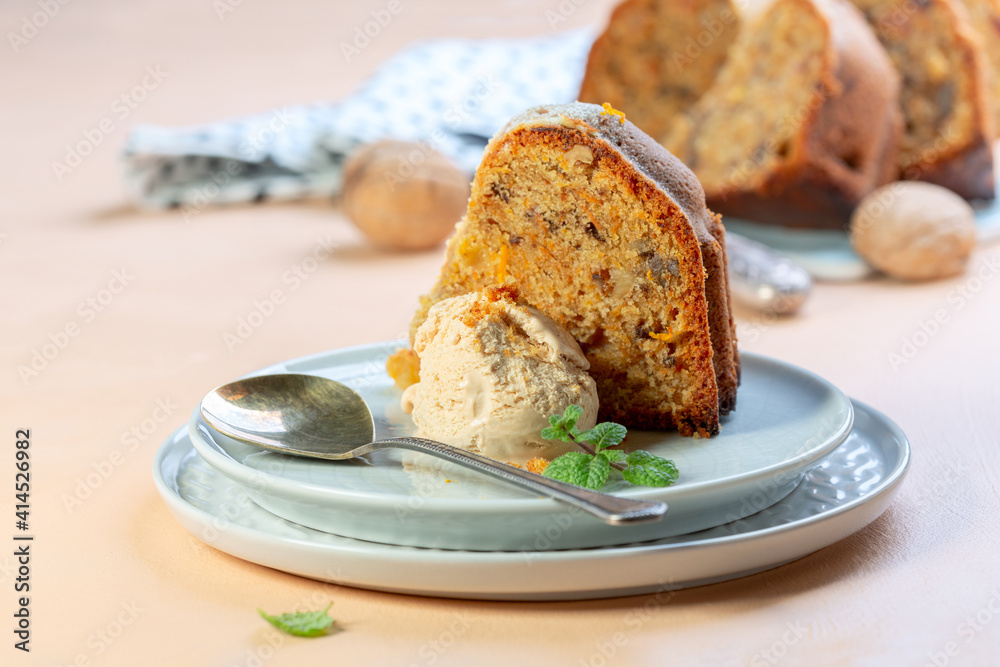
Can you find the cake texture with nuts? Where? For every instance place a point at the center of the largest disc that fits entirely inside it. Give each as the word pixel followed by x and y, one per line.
pixel 802 121
pixel 604 231
pixel 656 58
pixel 948 133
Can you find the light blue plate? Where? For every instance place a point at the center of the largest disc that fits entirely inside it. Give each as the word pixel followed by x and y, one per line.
pixel 786 422
pixel 827 254
pixel 846 492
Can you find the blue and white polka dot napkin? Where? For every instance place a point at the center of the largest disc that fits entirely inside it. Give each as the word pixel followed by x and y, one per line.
pixel 451 95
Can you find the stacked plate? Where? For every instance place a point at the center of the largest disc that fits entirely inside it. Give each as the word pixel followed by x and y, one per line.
pixel 797 467
pixel 827 254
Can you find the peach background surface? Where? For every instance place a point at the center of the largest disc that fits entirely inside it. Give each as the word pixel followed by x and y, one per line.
pixel 902 591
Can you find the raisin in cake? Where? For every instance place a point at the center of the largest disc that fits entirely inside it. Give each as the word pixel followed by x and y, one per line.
pixel 801 122
pixel 948 136
pixel 656 58
pixel 604 231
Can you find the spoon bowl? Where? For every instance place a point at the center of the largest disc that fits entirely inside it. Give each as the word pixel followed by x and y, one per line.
pixel 312 416
pixel 305 415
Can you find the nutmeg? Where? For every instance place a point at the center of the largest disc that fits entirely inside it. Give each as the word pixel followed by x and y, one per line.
pixel 404 195
pixel 914 231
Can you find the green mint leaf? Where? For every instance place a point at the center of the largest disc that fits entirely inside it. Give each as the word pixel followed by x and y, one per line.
pixel 563 427
pixel 570 416
pixel 614 455
pixel 301 623
pixel 590 472
pixel 572 413
pixel 605 434
pixel 645 469
pixel 555 433
pixel 571 467
pixel 600 468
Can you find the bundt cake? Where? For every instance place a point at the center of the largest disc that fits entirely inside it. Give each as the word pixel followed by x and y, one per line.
pixel 657 57
pixel 948 132
pixel 801 122
pixel 604 231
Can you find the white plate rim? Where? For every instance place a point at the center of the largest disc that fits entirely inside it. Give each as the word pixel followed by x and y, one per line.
pixel 878 499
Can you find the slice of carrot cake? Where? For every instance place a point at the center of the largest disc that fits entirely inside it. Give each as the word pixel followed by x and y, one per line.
pixel 603 230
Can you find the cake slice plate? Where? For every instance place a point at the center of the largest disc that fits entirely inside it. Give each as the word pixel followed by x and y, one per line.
pixel 846 492
pixel 786 422
pixel 827 253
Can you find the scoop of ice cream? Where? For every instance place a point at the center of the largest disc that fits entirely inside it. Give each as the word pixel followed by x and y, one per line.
pixel 492 372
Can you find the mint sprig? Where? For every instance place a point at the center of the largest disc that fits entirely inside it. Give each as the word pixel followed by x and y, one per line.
pixel 301 623
pixel 592 467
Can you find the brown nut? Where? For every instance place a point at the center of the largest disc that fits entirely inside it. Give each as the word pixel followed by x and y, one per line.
pixel 914 231
pixel 404 195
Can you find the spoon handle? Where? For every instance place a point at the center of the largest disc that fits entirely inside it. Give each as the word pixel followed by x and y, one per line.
pixel 610 509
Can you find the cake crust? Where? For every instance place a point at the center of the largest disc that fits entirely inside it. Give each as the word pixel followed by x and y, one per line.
pixel 984 19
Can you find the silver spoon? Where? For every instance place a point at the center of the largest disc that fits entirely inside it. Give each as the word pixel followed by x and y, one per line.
pixel 319 418
pixel 764 279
